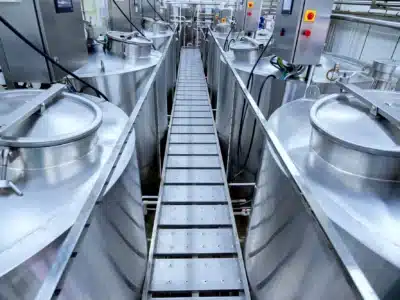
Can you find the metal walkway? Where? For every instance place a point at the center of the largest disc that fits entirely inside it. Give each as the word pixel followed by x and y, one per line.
pixel 195 251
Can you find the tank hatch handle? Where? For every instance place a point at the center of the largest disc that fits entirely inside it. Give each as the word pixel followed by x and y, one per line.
pixel 4 183
pixel 38 103
pixel 377 106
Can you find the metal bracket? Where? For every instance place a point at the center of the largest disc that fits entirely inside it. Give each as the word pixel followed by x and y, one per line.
pixel 26 110
pixel 4 183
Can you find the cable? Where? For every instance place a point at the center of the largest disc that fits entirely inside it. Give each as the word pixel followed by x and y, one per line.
pixel 255 121
pixel 229 44
pixel 157 14
pixel 46 56
pixel 126 17
pixel 244 107
pixel 229 33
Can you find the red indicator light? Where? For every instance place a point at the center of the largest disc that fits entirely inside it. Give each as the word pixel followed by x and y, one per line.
pixel 307 32
pixel 249 14
pixel 310 16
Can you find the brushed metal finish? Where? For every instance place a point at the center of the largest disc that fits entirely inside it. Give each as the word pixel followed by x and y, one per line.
pixel 204 275
pixel 61 35
pixel 194 194
pixel 123 82
pixel 55 182
pixel 282 237
pixel 195 241
pixel 294 46
pixel 193 214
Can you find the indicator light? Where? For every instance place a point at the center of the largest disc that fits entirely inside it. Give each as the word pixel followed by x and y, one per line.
pixel 223 20
pixel 249 13
pixel 250 4
pixel 307 32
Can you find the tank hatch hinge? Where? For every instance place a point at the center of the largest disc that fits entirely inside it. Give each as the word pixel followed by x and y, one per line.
pixel 6 154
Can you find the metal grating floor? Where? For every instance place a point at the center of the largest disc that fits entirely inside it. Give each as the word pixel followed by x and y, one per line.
pixel 194 252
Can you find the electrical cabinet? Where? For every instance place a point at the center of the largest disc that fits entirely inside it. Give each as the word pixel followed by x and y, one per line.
pixel 248 15
pixel 54 26
pixel 301 27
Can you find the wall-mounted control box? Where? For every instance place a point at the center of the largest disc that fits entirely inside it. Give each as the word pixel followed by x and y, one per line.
pixel 301 27
pixel 248 15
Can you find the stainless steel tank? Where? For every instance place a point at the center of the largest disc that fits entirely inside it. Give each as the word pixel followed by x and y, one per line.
pixel 213 62
pixel 54 158
pixel 160 32
pixel 121 72
pixel 246 138
pixel 349 160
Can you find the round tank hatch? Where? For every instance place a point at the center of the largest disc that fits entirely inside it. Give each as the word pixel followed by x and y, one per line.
pixel 223 27
pixel 349 137
pixel 245 50
pixel 129 44
pixel 66 119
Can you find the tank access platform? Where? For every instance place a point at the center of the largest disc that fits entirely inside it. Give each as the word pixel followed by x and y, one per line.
pixel 195 251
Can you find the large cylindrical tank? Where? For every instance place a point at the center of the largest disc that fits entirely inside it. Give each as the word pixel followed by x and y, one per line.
pixel 213 62
pixel 160 32
pixel 121 73
pixel 349 160
pixel 246 137
pixel 54 158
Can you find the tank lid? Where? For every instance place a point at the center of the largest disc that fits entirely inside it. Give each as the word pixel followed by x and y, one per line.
pixel 65 118
pixel 348 122
pixel 223 27
pixel 133 38
pixel 243 45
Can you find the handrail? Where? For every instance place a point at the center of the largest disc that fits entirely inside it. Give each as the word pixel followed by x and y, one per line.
pixel 346 260
pixel 370 21
pixel 68 246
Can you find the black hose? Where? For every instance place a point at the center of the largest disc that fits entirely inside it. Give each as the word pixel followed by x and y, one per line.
pixel 229 33
pixel 255 121
pixel 244 107
pixel 229 44
pixel 47 57
pixel 161 18
pixel 127 18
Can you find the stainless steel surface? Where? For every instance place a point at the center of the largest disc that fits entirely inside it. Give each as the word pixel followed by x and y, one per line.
pixel 383 72
pixel 117 21
pixel 290 42
pixel 56 181
pixel 61 35
pixel 123 81
pixel 27 109
pixel 194 214
pixel 59 269
pixel 194 194
pixel 195 241
pixel 160 37
pixel 371 21
pixel 356 191
pixel 384 104
pixel 326 230
pixel 213 62
pixel 128 44
pixel 210 274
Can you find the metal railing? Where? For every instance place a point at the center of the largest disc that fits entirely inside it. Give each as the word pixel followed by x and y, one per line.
pixel 69 245
pixel 351 270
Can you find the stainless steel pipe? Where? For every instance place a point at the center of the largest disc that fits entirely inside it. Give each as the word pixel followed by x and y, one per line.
pixel 384 23
pixel 351 270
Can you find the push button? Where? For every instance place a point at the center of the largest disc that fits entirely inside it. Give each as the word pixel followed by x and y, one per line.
pixel 310 15
pixel 307 33
pixel 250 4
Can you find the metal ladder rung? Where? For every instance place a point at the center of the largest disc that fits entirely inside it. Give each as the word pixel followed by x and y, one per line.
pixel 192 114
pixel 193 162
pixel 194 194
pixel 195 215
pixel 193 176
pixel 193 149
pixel 195 241
pixel 192 129
pixel 196 275
pixel 189 108
pixel 193 139
pixel 202 298
pixel 190 121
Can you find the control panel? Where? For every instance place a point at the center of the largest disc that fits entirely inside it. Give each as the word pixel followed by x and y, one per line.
pixel 300 30
pixel 248 15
